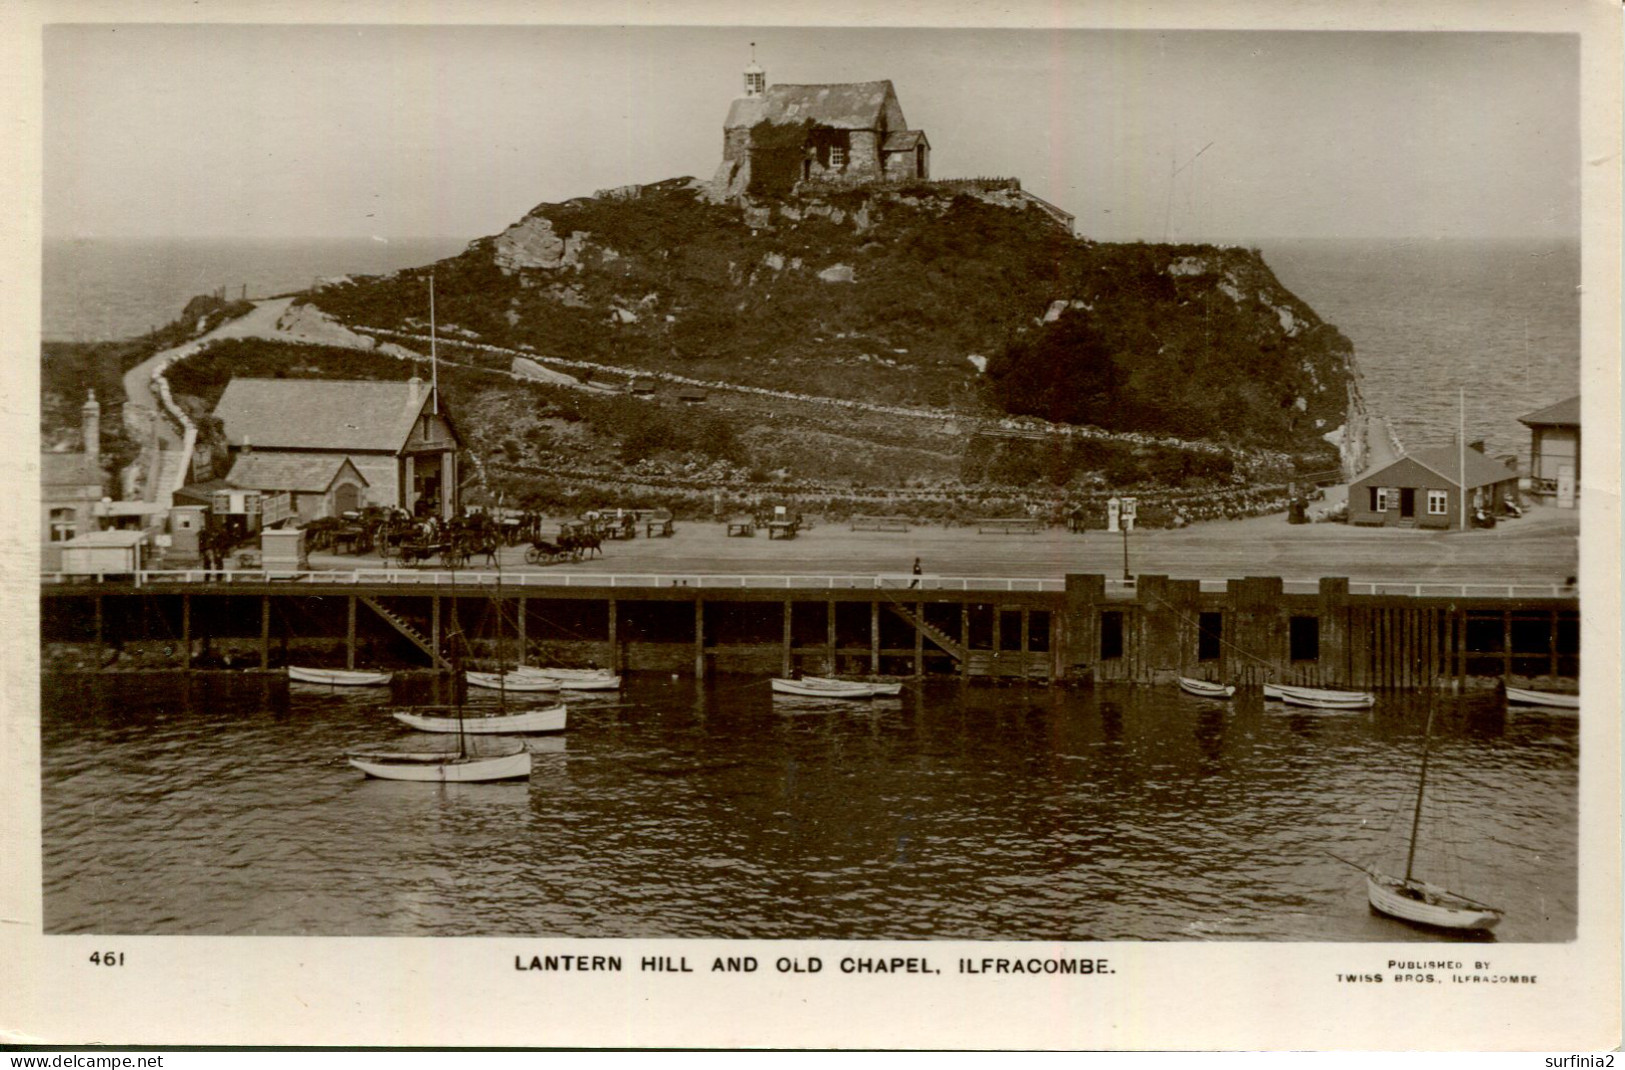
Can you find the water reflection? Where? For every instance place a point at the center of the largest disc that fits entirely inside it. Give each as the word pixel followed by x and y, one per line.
pixel 720 810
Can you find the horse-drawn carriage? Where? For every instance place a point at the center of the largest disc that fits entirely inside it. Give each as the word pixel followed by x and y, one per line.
pixel 575 542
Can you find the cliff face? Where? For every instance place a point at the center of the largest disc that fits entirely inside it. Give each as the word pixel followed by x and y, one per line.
pixel 962 296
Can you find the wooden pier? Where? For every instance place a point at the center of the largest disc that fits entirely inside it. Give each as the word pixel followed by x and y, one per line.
pixel 1244 631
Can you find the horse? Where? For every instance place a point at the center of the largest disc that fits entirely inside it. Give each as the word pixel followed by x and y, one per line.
pixel 473 544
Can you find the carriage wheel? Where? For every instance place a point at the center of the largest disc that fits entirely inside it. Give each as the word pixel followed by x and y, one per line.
pixel 455 558
pixel 533 556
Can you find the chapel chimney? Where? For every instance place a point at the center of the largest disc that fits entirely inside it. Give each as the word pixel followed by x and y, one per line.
pixel 90 419
pixel 414 393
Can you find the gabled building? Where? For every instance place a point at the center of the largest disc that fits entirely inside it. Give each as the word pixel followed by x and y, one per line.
pixel 401 443
pixel 855 132
pixel 71 486
pixel 1554 449
pixel 317 485
pixel 1424 489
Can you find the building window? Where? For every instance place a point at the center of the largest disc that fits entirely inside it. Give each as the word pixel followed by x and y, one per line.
pixel 1209 630
pixel 63 525
pixel 251 504
pixel 1111 635
pixel 1304 637
pixel 837 157
pixel 1438 502
pixel 1379 499
pixel 220 503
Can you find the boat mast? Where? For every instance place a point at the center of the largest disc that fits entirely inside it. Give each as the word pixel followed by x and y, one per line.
pixel 434 360
pixel 1421 785
pixel 1461 450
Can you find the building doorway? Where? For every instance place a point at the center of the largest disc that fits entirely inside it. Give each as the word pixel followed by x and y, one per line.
pixel 1407 503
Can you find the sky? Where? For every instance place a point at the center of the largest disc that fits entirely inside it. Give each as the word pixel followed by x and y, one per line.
pixel 456 131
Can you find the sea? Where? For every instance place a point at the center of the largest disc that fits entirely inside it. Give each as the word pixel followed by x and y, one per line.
pixel 682 808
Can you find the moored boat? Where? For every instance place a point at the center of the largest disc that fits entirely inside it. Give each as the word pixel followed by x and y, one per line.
pixel 515 722
pixel 1428 904
pixel 818 687
pixel 1205 688
pixel 1319 697
pixel 515 682
pixel 572 679
pixel 1556 700
pixel 338 677
pixel 880 688
pixel 509 760
pixel 1413 899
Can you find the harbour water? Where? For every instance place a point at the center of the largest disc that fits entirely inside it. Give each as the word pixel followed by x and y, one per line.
pixel 220 805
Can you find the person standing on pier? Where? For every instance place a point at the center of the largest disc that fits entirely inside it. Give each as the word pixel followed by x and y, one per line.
pixel 915 582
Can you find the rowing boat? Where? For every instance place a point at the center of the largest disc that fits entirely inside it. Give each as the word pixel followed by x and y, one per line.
pixel 818 687
pixel 546 719
pixel 881 688
pixel 1319 697
pixel 494 681
pixel 338 677
pixel 1205 688
pixel 1557 700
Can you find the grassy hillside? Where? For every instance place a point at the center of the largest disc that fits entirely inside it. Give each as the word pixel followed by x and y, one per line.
pixel 888 296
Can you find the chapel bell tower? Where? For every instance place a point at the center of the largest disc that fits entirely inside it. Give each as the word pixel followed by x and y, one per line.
pixel 755 77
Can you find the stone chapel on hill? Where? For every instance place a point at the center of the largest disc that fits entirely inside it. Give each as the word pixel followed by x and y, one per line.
pixel 856 132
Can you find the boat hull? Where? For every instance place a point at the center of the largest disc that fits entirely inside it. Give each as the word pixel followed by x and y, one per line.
pixel 443 769
pixel 879 688
pixel 511 682
pixel 822 689
pixel 572 679
pixel 551 719
pixel 1320 698
pixel 1387 895
pixel 338 677
pixel 1520 696
pixel 1204 689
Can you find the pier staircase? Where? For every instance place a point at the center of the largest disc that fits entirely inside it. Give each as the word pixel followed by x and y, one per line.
pixel 930 631
pixel 402 625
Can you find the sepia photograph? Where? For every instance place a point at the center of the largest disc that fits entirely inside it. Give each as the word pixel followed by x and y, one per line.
pixel 967 510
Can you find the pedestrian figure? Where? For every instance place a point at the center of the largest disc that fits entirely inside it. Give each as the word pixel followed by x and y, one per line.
pixel 915 582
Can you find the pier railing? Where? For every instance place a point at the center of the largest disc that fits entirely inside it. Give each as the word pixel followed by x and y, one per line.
pixel 902 582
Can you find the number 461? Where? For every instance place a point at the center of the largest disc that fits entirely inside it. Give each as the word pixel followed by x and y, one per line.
pixel 107 958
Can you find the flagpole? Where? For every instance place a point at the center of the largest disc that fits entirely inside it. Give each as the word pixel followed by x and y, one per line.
pixel 1461 451
pixel 434 360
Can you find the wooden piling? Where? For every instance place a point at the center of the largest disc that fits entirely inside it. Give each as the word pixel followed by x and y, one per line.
pixel 614 637
pixel 829 644
pixel 919 641
pixel 349 633
pixel 265 631
pixel 788 660
pixel 524 642
pixel 699 638
pixel 874 637
pixel 186 631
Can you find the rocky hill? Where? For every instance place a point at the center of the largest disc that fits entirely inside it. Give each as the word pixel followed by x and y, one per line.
pixel 953 295
pixel 944 349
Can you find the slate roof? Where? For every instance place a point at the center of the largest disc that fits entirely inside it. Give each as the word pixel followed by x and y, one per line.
pixel 904 141
pixel 843 105
pixel 1445 461
pixel 324 414
pixel 303 473
pixel 69 469
pixel 1563 414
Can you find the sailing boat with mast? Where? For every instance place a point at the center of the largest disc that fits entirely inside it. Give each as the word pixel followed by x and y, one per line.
pixel 1412 899
pixel 521 722
pixel 470 762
